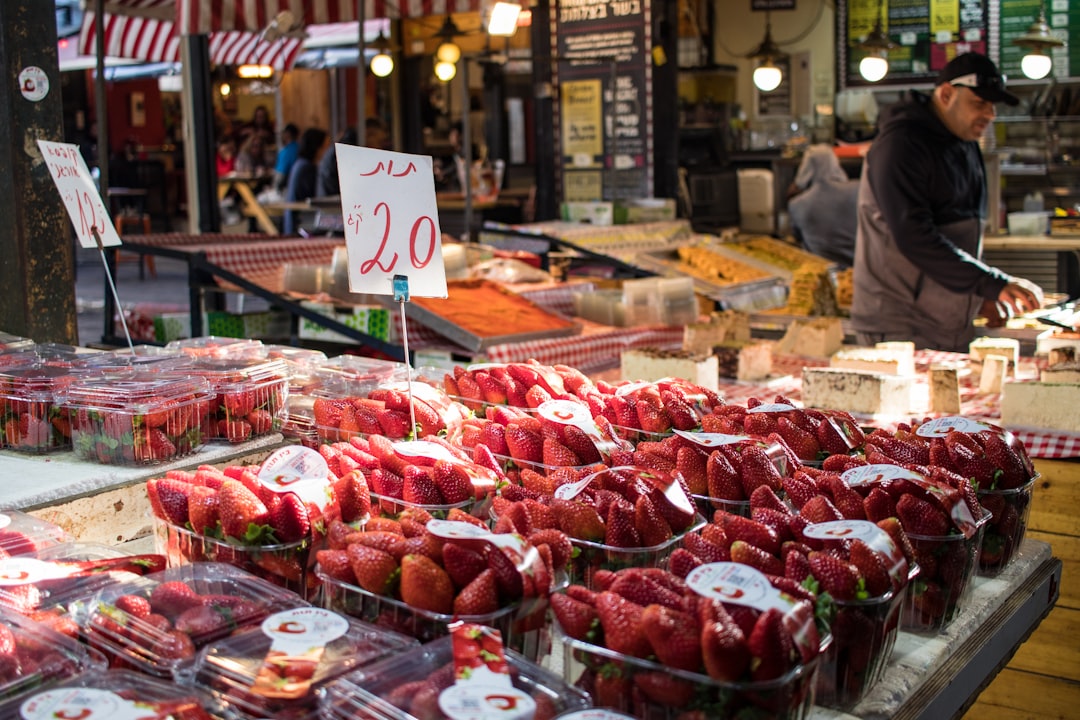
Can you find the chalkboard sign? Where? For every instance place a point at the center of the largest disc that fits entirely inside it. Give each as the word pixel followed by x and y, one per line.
pixel 604 114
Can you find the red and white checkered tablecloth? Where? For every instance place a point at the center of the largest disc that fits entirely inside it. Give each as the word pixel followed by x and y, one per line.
pixel 263 261
pixel 1040 442
pixel 590 351
pixel 558 299
pixel 174 239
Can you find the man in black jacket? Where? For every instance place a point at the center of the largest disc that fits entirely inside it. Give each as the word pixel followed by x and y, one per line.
pixel 922 201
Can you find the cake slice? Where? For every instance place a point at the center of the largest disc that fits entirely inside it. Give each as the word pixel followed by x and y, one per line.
pixel 857 391
pixel 944 390
pixel 744 360
pixel 817 337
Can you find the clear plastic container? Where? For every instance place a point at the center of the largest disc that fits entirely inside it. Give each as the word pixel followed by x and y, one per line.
pixel 145 357
pixel 13 343
pixel 382 690
pixel 286 565
pixel 41 657
pixel 302 364
pixel 31 419
pixel 1009 511
pixel 251 395
pixel 788 697
pixel 708 506
pixel 947 565
pixel 219 347
pixel 137 417
pixel 589 556
pixel 23 534
pixel 357 375
pixel 111 694
pixel 392 507
pixel 222 600
pixel 228 669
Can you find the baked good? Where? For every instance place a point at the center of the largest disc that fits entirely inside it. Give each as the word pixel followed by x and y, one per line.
pixel 944 390
pixel 857 391
pixel 983 347
pixel 728 325
pixel 994 370
pixel 1041 405
pixel 817 337
pixel 744 360
pixel 1068 372
pixel 875 359
pixel 655 364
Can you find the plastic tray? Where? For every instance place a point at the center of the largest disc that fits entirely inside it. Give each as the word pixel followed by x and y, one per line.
pixel 41 657
pixel 1004 533
pixel 947 564
pixel 227 669
pixel 374 692
pixel 31 419
pixel 286 565
pixel 137 417
pixel 219 347
pixel 225 600
pixel 356 375
pixel 13 343
pixel 22 534
pixel 590 557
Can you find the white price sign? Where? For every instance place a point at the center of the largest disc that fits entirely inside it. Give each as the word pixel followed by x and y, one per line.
pixel 391 221
pixel 79 193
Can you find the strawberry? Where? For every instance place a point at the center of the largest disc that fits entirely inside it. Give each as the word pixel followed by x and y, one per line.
pixel 203 510
pixel 1013 472
pixel 419 487
pixel 679 411
pixel 493 435
pixel 335 564
pixel 682 562
pixel 747 554
pixel 578 520
pixel 353 496
pixel 134 605
pixel 820 509
pixel 724 649
pixel 561 548
pixel 752 532
pixel 375 570
pixel 239 510
pixel 173 597
pixel 492 388
pixel 507 576
pixel 804 444
pixel 202 621
pixel 173 645
pixel 621 621
pixel 261 421
pixel 555 454
pixel 664 689
pixel 835 576
pixel 290 519
pixel 878 505
pixel 452 482
pixel 771 647
pixel 576 618
pixel 651 416
pixel 235 431
pixel 765 497
pixel 692 464
pixel 797 566
pixel 846 500
pixel 650 524
pixel 674 636
pixel 920 517
pixel 620 531
pixel 154 446
pixel 462 563
pixel 479 597
pixel 757 469
pixel 871 567
pixel 612 688
pixel 760 423
pixel 425 585
pixel 633 585
pixel 705 551
pixel 394 424
pixel 173 497
pixel 524 444
pixel 386 483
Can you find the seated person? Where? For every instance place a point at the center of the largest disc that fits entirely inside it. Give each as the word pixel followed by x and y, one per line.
pixel 304 174
pixel 823 213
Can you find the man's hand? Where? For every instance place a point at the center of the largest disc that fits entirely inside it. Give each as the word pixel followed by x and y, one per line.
pixel 1020 296
pixel 995 314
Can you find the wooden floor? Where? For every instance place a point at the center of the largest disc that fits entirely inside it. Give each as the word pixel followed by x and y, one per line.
pixel 1042 682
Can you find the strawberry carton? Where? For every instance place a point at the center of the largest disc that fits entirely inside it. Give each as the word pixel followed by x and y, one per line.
pixel 281 667
pixel 521 385
pixel 723 643
pixel 998 466
pixel 651 411
pixel 113 694
pixel 137 417
pixel 943 524
pixel 439 571
pixel 31 418
pixel 23 534
pixel 250 395
pixel 437 680
pixel 211 346
pixel 13 343
pixel 156 624
pixel 33 657
pixel 388 411
pixel 357 375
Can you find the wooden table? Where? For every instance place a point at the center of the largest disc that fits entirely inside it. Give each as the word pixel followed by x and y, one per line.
pixel 250 205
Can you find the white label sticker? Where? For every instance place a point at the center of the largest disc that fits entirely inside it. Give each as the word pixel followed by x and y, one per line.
pixel 24 571
pixel 844 530
pixel 420 390
pixel 770 407
pixel 484 366
pixel 476 701
pixel 940 427
pixel 569 491
pixel 869 474
pixel 735 583
pixel 80 704
pixel 459 530
pixel 299 630
pixel 299 470
pixel 624 390
pixel 425 449
pixel 713 439
pixel 5 520
pixel 568 412
pixel 33 83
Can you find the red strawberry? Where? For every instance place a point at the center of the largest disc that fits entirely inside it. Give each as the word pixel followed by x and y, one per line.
pixel 878 505
pixel 836 577
pixel 335 563
pixel 872 568
pixel 452 482
pixel 524 444
pixel 202 621
pixel 419 487
pixel 637 587
pixel 760 423
pixel 621 621
pixel 651 525
pixel 920 517
pixel 234 431
pixel 479 597
pixel 561 548
pixel 755 533
pixel 725 650
pixel 575 617
pixel 425 585
pixel 771 647
pixel 290 519
pixel 846 500
pixel 394 424
pixel 804 444
pixel 239 509
pixel 620 531
pixel 134 605
pixel 765 497
pixel 682 562
pixel 173 645
pixel 819 509
pixel 353 496
pixel 747 554
pixel 578 520
pixel 507 576
pixel 692 464
pixel 492 388
pixel 757 469
pixel 173 597
pixel 1014 473
pixel 173 497
pixel 651 416
pixel 386 483
pixel 664 689
pixel 462 564
pixel 261 421
pixel 797 566
pixel 555 454
pixel 705 551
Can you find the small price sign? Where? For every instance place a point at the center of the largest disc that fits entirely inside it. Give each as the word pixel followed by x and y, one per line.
pixel 79 193
pixel 391 221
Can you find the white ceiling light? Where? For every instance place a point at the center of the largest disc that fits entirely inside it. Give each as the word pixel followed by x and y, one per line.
pixel 503 20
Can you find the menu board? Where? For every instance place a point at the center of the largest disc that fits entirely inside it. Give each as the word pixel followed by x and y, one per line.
pixel 1063 16
pixel 927 33
pixel 604 114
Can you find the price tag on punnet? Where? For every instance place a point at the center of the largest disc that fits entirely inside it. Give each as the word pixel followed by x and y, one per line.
pixel 739 584
pixel 79 192
pixel 299 470
pixel 877 539
pixel 569 412
pixel 391 221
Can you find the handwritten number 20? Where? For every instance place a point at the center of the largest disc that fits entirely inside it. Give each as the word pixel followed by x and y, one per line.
pixel 417 261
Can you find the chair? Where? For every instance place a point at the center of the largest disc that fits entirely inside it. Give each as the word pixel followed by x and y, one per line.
pixel 140 222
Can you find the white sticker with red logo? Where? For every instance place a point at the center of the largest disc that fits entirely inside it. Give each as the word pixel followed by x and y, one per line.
pixel 569 491
pixel 710 440
pixel 940 427
pixel 478 701
pixel 875 538
pixel 80 704
pixel 425 449
pixel 870 474
pixel 736 583
pixel 298 470
pixel 770 408
pixel 5 520
pixel 459 530
pixel 299 630
pixel 483 367
pixel 568 412
pixel 25 571
pixel 629 388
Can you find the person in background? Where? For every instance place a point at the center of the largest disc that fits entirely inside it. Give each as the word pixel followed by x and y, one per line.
pixel 328 176
pixel 226 155
pixel 823 213
pixel 922 199
pixel 303 177
pixel 251 160
pixel 286 156
pixel 260 125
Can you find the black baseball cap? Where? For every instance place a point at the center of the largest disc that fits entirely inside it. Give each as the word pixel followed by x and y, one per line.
pixel 979 74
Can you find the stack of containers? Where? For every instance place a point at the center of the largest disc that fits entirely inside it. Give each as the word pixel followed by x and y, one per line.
pixel 32 420
pixel 219 347
pixel 22 534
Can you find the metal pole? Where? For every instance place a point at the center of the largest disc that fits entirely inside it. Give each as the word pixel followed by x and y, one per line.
pixel 101 104
pixel 361 75
pixel 466 147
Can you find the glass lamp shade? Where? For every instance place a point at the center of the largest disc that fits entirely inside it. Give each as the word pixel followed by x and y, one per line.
pixel 767 77
pixel 873 68
pixel 382 65
pixel 445 71
pixel 1036 65
pixel 448 52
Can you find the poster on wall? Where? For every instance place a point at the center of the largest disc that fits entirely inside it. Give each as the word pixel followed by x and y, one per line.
pixel 604 113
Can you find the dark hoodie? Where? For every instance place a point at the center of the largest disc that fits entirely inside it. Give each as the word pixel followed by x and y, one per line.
pixel 922 198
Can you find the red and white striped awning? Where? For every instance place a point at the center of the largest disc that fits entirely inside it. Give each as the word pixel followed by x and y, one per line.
pixel 150 30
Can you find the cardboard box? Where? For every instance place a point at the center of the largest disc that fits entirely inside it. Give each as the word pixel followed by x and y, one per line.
pixel 371 320
pixel 267 324
pixel 172 326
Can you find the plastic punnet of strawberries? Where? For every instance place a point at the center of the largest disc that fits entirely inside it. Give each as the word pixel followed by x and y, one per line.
pixel 33 656
pixel 387 411
pixel 646 642
pixel 642 411
pixel 118 694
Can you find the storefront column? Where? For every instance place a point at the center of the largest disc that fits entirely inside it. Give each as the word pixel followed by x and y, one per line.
pixel 37 268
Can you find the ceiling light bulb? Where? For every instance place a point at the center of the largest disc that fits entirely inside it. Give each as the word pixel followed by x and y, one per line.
pixel 504 19
pixel 448 52
pixel 382 65
pixel 873 68
pixel 1036 65
pixel 225 89
pixel 767 77
pixel 445 71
